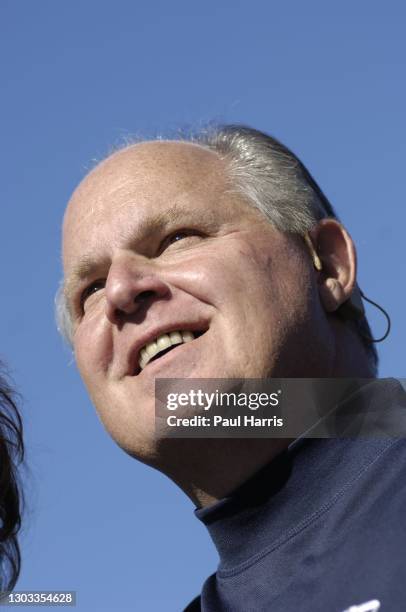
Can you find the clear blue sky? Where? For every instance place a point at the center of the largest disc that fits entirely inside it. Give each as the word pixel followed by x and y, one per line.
pixel 78 77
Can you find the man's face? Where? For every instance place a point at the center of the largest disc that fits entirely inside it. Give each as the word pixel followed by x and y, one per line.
pixel 157 244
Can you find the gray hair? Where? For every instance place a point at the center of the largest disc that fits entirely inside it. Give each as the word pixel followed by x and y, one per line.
pixel 271 178
pixel 62 315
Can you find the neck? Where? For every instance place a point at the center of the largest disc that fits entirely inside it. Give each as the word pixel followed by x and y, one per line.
pixel 208 470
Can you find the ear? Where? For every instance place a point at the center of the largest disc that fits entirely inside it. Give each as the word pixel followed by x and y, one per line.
pixel 336 252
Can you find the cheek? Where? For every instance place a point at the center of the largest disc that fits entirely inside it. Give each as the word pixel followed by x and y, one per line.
pixel 269 293
pixel 245 278
pixel 93 350
pixel 223 276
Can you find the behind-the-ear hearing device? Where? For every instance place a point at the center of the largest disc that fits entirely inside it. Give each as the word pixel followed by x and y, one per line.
pixel 315 257
pixel 353 308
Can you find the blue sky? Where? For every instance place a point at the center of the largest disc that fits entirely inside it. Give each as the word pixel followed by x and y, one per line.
pixel 79 78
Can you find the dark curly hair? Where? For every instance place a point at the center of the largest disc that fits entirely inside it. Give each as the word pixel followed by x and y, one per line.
pixel 11 500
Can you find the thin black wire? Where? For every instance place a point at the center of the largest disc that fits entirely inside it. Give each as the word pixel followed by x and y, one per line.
pixel 386 334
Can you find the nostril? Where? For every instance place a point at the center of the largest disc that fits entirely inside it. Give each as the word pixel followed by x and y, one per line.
pixel 144 295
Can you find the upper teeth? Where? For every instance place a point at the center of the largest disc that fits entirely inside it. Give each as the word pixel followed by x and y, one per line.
pixel 161 343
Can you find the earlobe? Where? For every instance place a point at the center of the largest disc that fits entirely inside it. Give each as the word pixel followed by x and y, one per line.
pixel 331 294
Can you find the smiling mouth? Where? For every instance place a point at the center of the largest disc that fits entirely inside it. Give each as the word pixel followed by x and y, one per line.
pixel 163 344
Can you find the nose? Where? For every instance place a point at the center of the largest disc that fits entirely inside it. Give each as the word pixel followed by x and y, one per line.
pixel 132 282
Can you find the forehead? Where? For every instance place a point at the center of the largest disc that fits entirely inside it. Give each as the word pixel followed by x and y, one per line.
pixel 142 181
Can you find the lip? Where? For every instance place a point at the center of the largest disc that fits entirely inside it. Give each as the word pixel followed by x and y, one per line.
pixel 134 368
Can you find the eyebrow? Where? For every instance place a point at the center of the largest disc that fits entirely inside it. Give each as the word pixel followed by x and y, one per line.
pixel 86 265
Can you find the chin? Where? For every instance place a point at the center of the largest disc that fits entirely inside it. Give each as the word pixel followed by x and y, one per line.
pixel 142 446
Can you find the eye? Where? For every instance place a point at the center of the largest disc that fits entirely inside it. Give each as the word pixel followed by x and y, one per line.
pixel 178 236
pixel 183 234
pixel 90 290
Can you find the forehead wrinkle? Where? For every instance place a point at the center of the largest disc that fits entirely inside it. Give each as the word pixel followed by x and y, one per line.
pixel 93 208
pixel 116 174
pixel 93 193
